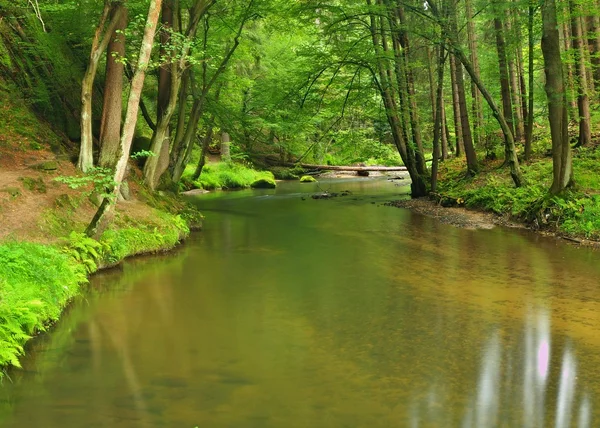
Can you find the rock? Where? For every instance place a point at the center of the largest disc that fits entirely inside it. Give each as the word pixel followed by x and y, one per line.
pixel 34 184
pixel 362 173
pixel 195 192
pixel 95 199
pixel 124 191
pixel 46 166
pixel 12 191
pixel 307 179
pixel 63 201
pixel 264 183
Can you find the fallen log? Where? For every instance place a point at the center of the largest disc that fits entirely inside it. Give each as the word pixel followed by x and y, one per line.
pixel 347 168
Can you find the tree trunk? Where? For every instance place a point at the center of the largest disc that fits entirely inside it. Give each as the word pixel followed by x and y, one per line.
pixel 112 109
pixel 458 134
pixel 437 123
pixel 583 102
pixel 205 143
pixel 515 90
pixel 418 184
pixel 99 45
pixel 445 132
pixel 571 97
pixel 504 76
pixel 530 51
pixel 593 24
pixel 555 90
pixel 475 94
pixel 412 101
pixel 99 221
pixel 472 166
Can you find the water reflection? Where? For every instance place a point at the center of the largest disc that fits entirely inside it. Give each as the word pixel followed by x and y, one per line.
pixel 572 403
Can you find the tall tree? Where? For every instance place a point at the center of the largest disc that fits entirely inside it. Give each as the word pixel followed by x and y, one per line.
pixel 557 101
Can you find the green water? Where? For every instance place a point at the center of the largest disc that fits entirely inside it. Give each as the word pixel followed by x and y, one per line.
pixel 287 312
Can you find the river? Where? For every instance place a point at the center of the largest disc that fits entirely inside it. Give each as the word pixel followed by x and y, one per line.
pixel 292 312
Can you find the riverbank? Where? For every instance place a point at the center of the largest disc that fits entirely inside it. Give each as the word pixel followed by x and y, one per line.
pixel 45 257
pixel 490 198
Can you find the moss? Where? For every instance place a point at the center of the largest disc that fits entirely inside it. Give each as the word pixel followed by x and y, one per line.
pixel 34 184
pixel 307 179
pixel 226 175
pixel 264 183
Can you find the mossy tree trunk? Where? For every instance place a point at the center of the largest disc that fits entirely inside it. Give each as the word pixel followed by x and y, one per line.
pixel 102 37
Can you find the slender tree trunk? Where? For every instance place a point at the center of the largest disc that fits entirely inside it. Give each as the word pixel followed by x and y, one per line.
pixel 555 89
pixel 225 147
pixel 515 91
pixel 205 144
pixel 437 123
pixel 445 132
pixel 571 97
pixel 530 49
pixel 112 109
pixel 412 101
pixel 99 221
pixel 583 102
pixel 593 26
pixel 504 76
pixel 418 184
pixel 458 132
pixel 472 165
pixel 99 45
pixel 475 94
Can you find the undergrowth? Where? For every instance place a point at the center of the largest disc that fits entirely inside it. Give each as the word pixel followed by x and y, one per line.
pixel 36 282
pixel 575 212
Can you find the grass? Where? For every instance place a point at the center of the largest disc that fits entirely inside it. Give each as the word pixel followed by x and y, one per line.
pixel 225 175
pixel 575 212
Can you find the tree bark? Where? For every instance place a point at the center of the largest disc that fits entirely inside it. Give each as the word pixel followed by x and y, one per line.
pixel 557 102
pixel 515 90
pixel 437 123
pixel 593 26
pixel 112 109
pixel 99 45
pixel 475 94
pixel 583 102
pixel 504 76
pixel 458 132
pixel 530 50
pixel 99 221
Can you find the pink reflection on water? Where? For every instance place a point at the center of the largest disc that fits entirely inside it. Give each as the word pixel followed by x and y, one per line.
pixel 543 359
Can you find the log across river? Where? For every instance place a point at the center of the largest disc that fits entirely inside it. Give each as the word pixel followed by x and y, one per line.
pixel 290 312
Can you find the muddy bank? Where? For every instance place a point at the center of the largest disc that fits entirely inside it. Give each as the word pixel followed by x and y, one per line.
pixel 455 216
pixel 469 219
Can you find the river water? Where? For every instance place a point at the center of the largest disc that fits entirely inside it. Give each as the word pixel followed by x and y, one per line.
pixel 292 312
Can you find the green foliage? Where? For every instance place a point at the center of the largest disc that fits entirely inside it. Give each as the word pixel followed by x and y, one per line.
pixel 36 282
pixel 85 250
pixel 100 179
pixel 142 154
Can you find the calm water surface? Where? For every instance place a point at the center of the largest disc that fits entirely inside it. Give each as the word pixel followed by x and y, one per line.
pixel 287 312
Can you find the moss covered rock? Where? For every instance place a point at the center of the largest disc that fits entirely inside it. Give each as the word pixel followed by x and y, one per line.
pixel 264 183
pixel 307 179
